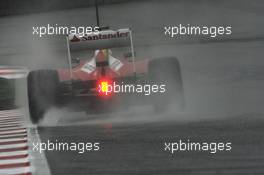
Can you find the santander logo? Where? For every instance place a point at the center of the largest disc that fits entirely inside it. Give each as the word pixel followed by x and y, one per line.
pixel 100 36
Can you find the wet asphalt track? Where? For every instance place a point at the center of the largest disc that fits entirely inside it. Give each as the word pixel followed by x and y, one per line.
pixel 219 78
pixel 139 148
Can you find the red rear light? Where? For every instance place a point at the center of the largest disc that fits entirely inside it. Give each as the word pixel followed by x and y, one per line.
pixel 104 87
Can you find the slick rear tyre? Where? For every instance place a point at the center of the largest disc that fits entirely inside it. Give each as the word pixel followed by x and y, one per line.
pixel 167 71
pixel 42 90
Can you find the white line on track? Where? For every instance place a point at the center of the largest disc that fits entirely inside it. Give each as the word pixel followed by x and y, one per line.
pixel 13 131
pixel 13 136
pixel 13 139
pixel 13 146
pixel 10 113
pixel 2 116
pixel 15 119
pixel 12 110
pixel 13 171
pixel 10 125
pixel 11 161
pixel 13 153
pixel 10 119
pixel 40 160
pixel 11 122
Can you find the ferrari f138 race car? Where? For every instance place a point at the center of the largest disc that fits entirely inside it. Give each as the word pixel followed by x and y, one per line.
pixel 103 75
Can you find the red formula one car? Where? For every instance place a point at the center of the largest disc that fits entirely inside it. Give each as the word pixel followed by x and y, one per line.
pixel 103 75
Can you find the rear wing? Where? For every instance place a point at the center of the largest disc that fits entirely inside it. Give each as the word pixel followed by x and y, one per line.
pixel 9 72
pixel 100 40
pixel 105 39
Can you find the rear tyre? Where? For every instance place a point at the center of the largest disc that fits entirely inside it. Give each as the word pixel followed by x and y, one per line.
pixel 167 71
pixel 42 90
